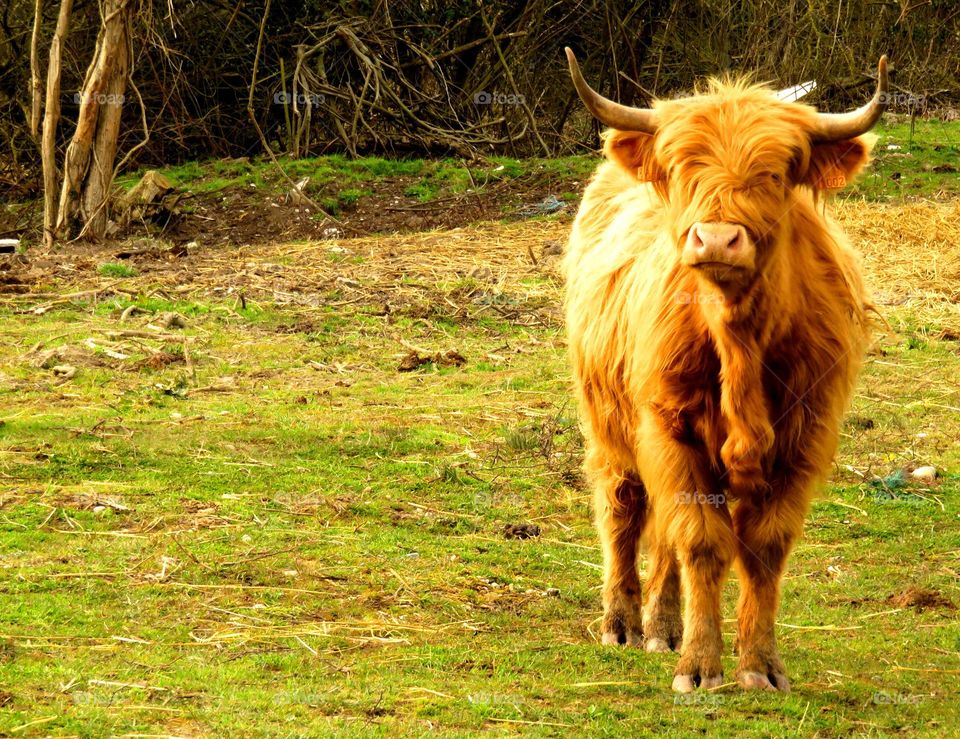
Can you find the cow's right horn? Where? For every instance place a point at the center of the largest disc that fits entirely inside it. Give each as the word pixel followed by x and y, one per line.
pixel 612 114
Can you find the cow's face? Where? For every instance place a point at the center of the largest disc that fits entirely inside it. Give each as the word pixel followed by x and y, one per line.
pixel 727 164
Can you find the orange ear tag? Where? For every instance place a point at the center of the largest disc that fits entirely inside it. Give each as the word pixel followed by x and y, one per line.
pixel 835 182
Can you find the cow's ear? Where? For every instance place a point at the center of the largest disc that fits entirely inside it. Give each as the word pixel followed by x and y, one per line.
pixel 634 152
pixel 834 165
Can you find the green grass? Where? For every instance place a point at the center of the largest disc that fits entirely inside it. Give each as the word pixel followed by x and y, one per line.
pixel 924 166
pixel 350 196
pixel 116 269
pixel 340 182
pixel 289 537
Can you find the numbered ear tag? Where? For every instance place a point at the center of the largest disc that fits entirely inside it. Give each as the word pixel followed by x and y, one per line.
pixel 833 182
pixel 833 176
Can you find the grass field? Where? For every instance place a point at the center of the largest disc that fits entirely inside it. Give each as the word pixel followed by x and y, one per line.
pixel 907 164
pixel 247 521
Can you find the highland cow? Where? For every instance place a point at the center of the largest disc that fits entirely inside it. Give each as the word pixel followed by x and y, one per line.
pixel 716 319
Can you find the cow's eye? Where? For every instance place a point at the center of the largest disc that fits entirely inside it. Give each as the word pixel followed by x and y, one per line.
pixel 775 177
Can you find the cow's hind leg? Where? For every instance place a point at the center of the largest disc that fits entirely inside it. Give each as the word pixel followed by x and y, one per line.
pixel 620 508
pixel 662 622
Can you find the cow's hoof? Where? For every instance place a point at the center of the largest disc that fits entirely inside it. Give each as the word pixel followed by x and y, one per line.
pixel 662 644
pixel 698 667
pixel 662 624
pixel 622 624
pixel 653 644
pixel 762 670
pixel 663 635
pixel 688 683
pixel 750 680
pixel 621 635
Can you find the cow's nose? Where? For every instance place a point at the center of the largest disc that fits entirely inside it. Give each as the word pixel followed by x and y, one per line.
pixel 717 240
pixel 718 243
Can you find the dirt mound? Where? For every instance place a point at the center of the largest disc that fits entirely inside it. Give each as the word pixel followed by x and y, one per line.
pixel 252 217
pixel 920 599
pixel 238 215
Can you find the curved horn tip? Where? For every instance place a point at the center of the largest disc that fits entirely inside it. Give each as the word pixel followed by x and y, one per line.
pixel 883 83
pixel 841 126
pixel 606 111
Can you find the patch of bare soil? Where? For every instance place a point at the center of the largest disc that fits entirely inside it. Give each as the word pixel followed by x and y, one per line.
pixel 920 599
pixel 249 217
pixel 521 531
pixel 239 216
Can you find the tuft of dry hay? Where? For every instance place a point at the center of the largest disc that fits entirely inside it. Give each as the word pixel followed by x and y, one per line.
pixel 911 255
pixel 460 273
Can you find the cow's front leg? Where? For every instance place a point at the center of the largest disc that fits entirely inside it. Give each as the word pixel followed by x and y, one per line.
pixel 766 530
pixel 703 534
pixel 620 508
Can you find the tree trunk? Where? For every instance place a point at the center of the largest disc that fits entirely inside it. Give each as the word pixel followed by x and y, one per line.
pixel 36 87
pixel 48 145
pixel 96 192
pixel 86 183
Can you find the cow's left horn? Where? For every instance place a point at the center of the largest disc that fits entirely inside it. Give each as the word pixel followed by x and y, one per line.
pixel 843 126
pixel 608 112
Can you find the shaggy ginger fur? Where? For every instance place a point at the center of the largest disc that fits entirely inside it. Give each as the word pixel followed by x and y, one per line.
pixel 711 413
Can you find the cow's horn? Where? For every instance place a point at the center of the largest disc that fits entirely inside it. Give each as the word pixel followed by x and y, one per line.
pixel 843 126
pixel 608 112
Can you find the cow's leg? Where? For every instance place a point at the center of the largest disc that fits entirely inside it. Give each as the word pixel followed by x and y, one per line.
pixel 662 622
pixel 702 531
pixel 765 533
pixel 621 509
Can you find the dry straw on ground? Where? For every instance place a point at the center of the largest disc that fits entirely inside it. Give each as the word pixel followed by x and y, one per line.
pixel 911 259
pixel 911 255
